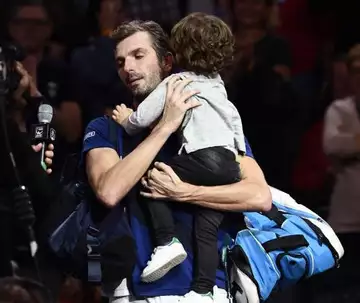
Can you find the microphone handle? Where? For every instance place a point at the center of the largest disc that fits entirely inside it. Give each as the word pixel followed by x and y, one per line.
pixel 42 161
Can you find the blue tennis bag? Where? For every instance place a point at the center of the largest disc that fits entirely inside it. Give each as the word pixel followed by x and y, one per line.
pixel 278 249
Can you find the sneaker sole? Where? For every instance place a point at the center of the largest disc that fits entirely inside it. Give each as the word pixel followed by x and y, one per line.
pixel 163 270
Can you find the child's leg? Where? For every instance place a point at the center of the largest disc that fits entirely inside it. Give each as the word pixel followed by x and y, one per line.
pixel 162 221
pixel 218 168
pixel 168 252
pixel 206 253
pixel 213 166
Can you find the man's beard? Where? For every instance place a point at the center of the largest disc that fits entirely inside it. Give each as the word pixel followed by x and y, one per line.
pixel 141 94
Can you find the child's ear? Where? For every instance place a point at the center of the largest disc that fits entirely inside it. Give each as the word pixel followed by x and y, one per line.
pixel 168 62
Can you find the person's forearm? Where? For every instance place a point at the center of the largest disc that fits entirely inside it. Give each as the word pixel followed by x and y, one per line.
pixel 121 178
pixel 241 196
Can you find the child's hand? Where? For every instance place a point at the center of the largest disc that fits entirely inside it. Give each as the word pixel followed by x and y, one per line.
pixel 121 113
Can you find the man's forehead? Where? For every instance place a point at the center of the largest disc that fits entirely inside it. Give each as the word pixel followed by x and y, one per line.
pixel 139 40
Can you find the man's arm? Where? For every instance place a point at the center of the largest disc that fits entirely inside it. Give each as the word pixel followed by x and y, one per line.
pixel 252 193
pixel 112 178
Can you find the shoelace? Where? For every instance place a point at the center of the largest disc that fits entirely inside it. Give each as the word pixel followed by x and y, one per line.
pixel 152 255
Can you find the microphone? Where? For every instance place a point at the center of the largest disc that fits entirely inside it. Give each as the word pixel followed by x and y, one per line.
pixel 42 132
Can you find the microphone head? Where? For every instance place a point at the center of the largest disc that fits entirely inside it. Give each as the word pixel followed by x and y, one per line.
pixel 45 113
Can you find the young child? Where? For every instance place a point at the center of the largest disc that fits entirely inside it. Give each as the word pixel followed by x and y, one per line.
pixel 211 138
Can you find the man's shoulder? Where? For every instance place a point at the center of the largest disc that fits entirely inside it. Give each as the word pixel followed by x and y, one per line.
pixel 103 132
pixel 99 123
pixel 97 134
pixel 97 137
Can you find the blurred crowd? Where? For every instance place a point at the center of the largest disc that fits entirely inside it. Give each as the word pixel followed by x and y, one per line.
pixel 294 76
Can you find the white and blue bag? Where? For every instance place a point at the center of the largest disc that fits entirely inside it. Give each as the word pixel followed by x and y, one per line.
pixel 278 249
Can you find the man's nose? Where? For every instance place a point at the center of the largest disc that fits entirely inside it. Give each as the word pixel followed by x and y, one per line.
pixel 128 66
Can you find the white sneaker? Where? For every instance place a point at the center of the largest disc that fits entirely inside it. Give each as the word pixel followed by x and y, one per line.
pixel 194 297
pixel 163 260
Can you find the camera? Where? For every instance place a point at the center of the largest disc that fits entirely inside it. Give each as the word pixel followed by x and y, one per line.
pixel 9 77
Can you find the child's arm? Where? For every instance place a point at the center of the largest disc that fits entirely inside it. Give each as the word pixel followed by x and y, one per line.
pixel 121 114
pixel 147 112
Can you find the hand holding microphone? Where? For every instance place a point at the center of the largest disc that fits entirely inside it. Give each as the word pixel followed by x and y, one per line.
pixel 42 132
pixel 49 155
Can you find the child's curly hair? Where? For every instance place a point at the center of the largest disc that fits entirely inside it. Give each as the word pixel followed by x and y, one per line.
pixel 202 43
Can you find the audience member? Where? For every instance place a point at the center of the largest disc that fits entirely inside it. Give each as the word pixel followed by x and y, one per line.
pixel 30 27
pixel 341 142
pixel 40 188
pixel 97 82
pixel 259 85
pixel 308 34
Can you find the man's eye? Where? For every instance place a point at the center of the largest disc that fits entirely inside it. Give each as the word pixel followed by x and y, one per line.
pixel 139 57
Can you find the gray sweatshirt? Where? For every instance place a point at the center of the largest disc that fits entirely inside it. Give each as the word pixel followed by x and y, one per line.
pixel 215 123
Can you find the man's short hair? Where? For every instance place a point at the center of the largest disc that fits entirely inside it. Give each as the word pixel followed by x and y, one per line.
pixel 353 56
pixel 159 38
pixel 203 43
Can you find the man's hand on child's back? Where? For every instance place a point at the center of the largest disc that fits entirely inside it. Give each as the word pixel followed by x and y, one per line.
pixel 121 113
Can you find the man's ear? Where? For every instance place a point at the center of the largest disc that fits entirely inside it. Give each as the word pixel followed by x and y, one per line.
pixel 168 62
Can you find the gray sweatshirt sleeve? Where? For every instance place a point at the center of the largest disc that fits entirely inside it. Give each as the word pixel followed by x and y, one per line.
pixel 148 111
pixel 238 132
